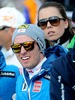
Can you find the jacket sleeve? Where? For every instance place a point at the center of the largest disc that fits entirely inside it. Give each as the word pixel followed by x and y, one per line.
pixel 55 91
pixel 61 87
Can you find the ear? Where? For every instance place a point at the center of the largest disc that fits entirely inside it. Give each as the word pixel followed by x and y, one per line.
pixel 66 23
pixel 11 30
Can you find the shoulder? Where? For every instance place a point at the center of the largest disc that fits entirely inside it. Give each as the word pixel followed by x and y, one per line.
pixel 55 51
pixel 63 65
pixel 12 68
pixel 61 61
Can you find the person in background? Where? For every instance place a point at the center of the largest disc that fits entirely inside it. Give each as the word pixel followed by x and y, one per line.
pixel 72 42
pixel 8 77
pixel 28 44
pixel 52 19
pixel 19 5
pixel 31 8
pixel 62 85
pixel 10 18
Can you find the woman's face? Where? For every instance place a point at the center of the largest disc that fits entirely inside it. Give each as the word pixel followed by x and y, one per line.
pixel 53 32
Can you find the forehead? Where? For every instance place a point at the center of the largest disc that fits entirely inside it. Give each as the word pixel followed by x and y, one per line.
pixel 48 12
pixel 22 38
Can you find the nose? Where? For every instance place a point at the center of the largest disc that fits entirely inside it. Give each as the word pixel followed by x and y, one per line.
pixel 48 24
pixel 23 50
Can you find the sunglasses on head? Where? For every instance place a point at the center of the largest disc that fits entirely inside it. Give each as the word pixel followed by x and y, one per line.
pixel 28 46
pixel 54 21
pixel 3 27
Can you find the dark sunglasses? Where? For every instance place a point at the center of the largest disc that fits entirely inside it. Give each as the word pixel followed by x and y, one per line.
pixel 28 46
pixel 54 21
pixel 3 27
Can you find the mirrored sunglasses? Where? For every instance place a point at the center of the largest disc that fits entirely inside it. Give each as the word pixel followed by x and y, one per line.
pixel 54 21
pixel 28 46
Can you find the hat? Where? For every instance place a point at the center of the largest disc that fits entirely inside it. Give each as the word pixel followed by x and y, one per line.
pixel 73 18
pixel 10 16
pixel 32 31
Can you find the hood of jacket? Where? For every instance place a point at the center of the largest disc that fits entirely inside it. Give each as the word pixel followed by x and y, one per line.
pixel 56 51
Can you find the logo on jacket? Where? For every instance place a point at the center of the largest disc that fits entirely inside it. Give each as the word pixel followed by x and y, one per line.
pixel 7 74
pixel 47 76
pixel 37 86
pixel 73 87
pixel 24 86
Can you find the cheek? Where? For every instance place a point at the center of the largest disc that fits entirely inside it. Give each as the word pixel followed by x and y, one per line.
pixel 60 30
pixel 36 59
pixel 18 56
pixel 2 40
pixel 36 53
